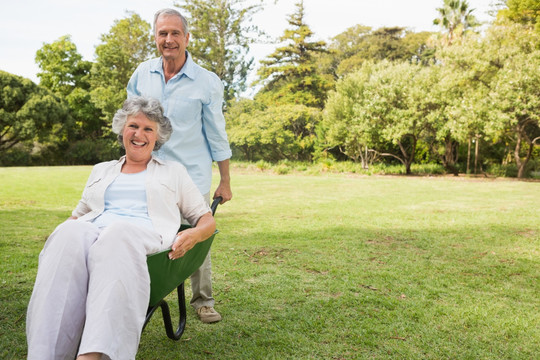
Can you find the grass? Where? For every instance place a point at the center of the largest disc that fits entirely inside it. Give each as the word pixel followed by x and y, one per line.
pixel 326 266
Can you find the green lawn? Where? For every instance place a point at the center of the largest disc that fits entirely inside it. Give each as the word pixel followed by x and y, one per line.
pixel 326 267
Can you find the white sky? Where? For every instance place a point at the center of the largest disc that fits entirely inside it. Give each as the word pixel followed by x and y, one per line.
pixel 25 25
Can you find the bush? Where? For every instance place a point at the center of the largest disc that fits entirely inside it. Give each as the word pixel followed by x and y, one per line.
pixel 89 151
pixel 16 156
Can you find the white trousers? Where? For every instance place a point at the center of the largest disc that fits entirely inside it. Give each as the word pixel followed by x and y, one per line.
pixel 91 292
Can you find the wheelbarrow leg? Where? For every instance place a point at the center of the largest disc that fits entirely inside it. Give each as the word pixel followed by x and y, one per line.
pixel 167 321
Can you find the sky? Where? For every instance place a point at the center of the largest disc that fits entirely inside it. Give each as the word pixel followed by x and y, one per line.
pixel 26 25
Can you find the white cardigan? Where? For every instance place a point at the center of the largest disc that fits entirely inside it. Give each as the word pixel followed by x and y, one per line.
pixel 170 194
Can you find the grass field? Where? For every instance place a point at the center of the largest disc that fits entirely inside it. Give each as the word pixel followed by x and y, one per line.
pixel 326 267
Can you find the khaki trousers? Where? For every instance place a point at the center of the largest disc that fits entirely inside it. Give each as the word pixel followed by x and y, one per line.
pixel 91 291
pixel 201 280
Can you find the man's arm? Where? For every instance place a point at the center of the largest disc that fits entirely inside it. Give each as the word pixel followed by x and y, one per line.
pixel 224 187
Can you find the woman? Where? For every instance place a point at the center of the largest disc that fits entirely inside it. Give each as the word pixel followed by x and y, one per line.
pixel 92 286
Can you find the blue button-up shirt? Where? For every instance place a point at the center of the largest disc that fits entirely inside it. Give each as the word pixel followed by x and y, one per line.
pixel 193 101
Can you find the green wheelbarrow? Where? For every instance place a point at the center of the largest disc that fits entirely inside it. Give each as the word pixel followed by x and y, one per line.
pixel 167 275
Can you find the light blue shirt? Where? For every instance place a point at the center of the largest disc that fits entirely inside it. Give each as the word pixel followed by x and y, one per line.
pixel 125 199
pixel 193 101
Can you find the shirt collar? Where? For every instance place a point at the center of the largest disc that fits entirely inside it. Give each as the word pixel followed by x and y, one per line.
pixel 122 160
pixel 188 69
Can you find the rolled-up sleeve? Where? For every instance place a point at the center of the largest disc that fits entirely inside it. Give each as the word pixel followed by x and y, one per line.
pixel 214 122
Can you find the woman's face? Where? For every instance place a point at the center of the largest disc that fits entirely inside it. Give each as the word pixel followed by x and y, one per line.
pixel 140 136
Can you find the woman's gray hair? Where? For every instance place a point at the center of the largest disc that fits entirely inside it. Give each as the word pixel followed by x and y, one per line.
pixel 171 12
pixel 149 107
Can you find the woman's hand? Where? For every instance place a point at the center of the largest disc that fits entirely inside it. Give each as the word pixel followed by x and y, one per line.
pixel 186 239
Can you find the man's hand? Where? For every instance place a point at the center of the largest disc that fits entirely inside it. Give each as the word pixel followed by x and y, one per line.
pixel 224 187
pixel 223 190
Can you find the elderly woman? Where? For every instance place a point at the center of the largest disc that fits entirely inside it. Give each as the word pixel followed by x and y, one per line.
pixel 92 287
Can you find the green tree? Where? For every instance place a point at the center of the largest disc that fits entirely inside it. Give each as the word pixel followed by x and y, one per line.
pixel 456 18
pixel 516 97
pixel 28 112
pixel 380 103
pixel 526 12
pixel 272 133
pixel 221 34
pixel 493 75
pixel 66 74
pixel 290 74
pixel 62 67
pixel 345 126
pixel 122 49
pixel 358 44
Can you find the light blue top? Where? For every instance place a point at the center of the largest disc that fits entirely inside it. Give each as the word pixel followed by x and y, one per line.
pixel 125 199
pixel 193 101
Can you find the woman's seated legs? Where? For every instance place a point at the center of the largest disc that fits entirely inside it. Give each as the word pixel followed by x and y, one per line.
pixel 118 290
pixel 56 313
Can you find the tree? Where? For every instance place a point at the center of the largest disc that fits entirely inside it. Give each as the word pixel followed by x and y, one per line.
pixel 28 112
pixel 62 67
pixel 65 73
pixel 526 12
pixel 358 44
pixel 456 18
pixel 272 133
pixel 344 126
pixel 380 103
pixel 289 75
pixel 516 96
pixel 494 75
pixel 122 49
pixel 220 38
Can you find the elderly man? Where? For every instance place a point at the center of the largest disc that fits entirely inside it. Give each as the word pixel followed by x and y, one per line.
pixel 193 100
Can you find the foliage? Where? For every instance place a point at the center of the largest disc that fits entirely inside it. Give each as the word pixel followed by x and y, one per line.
pixel 62 67
pixel 381 102
pixel 456 18
pixel 29 112
pixel 220 37
pixel 272 132
pixel 526 12
pixel 516 96
pixel 65 73
pixel 122 49
pixel 289 74
pixel 358 44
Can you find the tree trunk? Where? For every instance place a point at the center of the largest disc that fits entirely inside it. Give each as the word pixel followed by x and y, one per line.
pixel 469 156
pixel 449 158
pixel 476 151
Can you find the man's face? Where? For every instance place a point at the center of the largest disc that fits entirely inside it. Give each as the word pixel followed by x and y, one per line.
pixel 170 38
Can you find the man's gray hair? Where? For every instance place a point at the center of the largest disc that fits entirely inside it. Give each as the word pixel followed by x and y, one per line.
pixel 171 12
pixel 149 107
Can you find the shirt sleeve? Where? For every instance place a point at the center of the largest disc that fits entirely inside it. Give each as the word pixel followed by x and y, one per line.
pixel 213 122
pixel 83 207
pixel 191 203
pixel 132 84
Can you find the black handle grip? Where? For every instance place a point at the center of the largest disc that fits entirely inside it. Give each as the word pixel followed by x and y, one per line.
pixel 215 203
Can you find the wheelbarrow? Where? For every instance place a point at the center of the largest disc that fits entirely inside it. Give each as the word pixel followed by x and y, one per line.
pixel 167 275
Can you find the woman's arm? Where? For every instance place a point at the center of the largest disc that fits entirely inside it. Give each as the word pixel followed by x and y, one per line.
pixel 186 239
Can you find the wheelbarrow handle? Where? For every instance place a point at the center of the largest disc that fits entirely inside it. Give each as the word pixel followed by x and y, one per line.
pixel 215 204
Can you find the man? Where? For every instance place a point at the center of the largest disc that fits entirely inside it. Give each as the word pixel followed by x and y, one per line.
pixel 192 98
